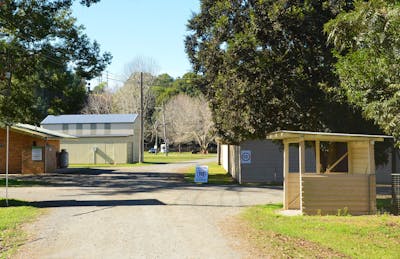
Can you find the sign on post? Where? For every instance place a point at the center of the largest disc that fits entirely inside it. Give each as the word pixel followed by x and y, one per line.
pixel 245 156
pixel 201 175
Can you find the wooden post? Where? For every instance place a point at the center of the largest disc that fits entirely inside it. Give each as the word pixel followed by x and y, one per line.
pixel 371 158
pixel 45 156
pixel 317 157
pixel 228 157
pixel 286 175
pixel 350 158
pixel 302 170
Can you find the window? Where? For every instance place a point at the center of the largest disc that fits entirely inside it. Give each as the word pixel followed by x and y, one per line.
pixel 93 127
pixel 65 127
pixel 79 127
pixel 107 128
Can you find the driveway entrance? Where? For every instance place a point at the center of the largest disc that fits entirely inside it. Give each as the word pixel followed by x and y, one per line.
pixel 139 212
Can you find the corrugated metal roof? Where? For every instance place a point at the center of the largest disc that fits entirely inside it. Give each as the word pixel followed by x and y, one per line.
pixel 40 132
pixel 90 118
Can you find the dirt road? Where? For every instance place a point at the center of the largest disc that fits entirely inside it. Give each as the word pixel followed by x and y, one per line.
pixel 145 212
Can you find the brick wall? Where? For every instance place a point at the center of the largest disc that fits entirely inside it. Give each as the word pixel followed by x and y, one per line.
pixel 21 149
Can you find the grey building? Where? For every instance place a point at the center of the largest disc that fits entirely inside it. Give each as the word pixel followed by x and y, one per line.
pixel 101 138
pixel 261 161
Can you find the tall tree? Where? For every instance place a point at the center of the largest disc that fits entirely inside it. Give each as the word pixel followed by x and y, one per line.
pixel 367 41
pixel 189 119
pixel 98 103
pixel 48 55
pixel 127 98
pixel 165 87
pixel 265 66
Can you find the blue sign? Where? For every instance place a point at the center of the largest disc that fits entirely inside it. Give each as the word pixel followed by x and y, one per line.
pixel 201 175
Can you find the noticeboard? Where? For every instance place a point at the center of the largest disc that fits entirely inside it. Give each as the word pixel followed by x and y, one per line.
pixel 37 154
pixel 201 175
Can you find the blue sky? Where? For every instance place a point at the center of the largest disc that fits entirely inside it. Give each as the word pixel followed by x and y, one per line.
pixel 148 28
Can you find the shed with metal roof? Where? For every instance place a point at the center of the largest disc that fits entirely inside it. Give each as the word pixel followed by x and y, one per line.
pixel 89 118
pixel 102 138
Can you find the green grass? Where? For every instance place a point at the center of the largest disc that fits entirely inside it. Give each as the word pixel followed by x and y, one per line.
pixel 174 157
pixel 11 219
pixel 325 236
pixel 104 165
pixel 216 174
pixel 151 159
pixel 20 183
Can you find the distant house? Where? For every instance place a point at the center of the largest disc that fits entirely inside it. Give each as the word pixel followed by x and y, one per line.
pixel 32 150
pixel 102 138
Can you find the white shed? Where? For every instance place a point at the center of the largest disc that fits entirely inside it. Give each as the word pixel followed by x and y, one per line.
pixel 102 138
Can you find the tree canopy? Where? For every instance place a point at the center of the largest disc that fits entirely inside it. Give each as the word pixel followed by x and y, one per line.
pixel 48 56
pixel 367 41
pixel 265 65
pixel 188 119
pixel 166 87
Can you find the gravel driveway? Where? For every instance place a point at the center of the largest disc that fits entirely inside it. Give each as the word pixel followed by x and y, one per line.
pixel 139 212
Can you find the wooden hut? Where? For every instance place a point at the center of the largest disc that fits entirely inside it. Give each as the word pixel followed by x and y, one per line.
pixel 345 183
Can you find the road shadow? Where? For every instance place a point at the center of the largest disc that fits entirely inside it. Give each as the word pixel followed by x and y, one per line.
pixel 99 178
pixel 106 181
pixel 80 203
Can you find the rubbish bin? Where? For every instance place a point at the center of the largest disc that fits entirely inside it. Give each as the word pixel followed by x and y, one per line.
pixel 64 159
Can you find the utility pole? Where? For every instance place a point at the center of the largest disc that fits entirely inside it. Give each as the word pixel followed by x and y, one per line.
pixel 165 130
pixel 156 143
pixel 8 94
pixel 107 79
pixel 141 146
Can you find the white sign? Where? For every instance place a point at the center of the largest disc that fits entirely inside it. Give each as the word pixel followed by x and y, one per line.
pixel 201 175
pixel 245 156
pixel 37 154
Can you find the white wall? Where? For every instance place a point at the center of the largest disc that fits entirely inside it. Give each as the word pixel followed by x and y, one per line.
pixel 224 157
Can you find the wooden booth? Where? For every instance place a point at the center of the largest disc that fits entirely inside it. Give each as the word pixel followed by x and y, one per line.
pixel 32 150
pixel 344 176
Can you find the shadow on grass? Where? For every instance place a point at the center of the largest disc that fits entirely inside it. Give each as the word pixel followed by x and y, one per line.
pixel 222 179
pixel 21 183
pixel 77 203
pixel 156 163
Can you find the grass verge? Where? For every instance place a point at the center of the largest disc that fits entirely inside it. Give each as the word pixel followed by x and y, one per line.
pixel 174 157
pixel 324 236
pixel 216 174
pixel 152 159
pixel 11 220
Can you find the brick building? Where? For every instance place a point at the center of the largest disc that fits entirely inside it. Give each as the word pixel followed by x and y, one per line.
pixel 32 150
